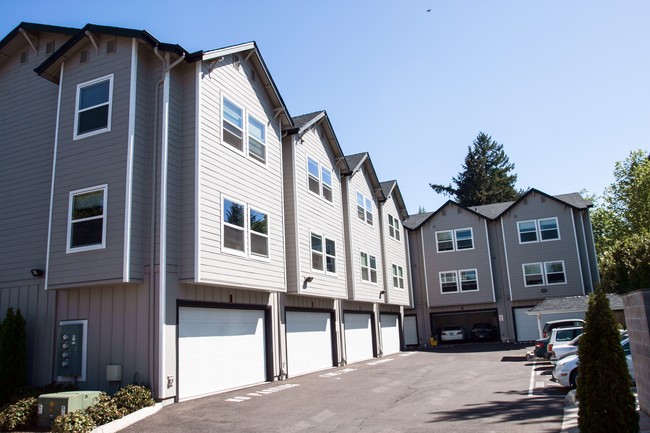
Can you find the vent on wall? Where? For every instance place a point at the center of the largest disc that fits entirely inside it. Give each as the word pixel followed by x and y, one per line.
pixel 24 56
pixel 83 56
pixel 49 47
pixel 111 46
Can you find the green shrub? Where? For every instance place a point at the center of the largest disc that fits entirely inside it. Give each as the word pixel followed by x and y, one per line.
pixel 13 354
pixel 20 415
pixel 133 397
pixel 105 410
pixel 73 422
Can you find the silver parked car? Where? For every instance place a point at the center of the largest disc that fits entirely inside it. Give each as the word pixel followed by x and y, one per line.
pixel 452 333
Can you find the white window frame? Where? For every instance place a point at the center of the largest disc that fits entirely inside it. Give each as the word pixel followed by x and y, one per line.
pixel 253 156
pixel 460 280
pixel 325 185
pixel 454 240
pixel 398 277
pixel 544 273
pixel 394 228
pixel 330 256
pixel 538 230
pixel 440 280
pixel 320 252
pixel 371 269
pixel 320 167
pixel 368 208
pixel 367 266
pixel 361 209
pixel 102 245
pixel 244 136
pixel 245 132
pixel 77 111
pixel 247 231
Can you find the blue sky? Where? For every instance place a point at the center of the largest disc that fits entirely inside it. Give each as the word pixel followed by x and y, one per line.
pixel 563 85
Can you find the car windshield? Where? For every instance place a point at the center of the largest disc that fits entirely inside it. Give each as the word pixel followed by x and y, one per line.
pixel 451 328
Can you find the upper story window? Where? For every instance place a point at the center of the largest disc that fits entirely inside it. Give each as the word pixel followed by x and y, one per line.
pixel 398 277
pixel 319 179
pixel 393 227
pixel 87 219
pixel 233 125
pixel 540 230
pixel 234 129
pixel 547 273
pixel 93 107
pixel 244 229
pixel 364 208
pixel 256 139
pixel 368 268
pixel 468 281
pixel 455 240
pixel 323 254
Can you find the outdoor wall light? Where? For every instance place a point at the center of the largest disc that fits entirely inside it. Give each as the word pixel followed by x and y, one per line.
pixel 381 293
pixel 309 279
pixel 37 272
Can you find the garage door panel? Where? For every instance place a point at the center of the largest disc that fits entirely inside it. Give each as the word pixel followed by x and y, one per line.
pixel 309 341
pixel 358 337
pixel 389 333
pixel 219 349
pixel 527 327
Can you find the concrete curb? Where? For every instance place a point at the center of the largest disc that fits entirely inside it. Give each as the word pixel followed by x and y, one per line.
pixel 571 399
pixel 132 418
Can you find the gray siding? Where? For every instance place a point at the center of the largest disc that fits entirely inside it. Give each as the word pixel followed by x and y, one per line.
pixel 536 206
pixel 449 218
pixel 395 254
pixel 290 214
pixel 91 161
pixel 225 172
pixel 222 295
pixel 318 216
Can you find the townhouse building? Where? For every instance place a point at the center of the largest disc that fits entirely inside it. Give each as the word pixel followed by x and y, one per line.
pixel 166 221
pixel 492 263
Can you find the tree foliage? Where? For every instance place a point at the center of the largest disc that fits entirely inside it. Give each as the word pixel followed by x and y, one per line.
pixel 13 354
pixel 621 226
pixel 486 177
pixel 607 404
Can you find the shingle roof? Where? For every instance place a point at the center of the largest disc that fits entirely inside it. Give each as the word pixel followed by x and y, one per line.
pixel 572 304
pixel 354 160
pixel 303 119
pixel 575 199
pixel 492 211
pixel 415 221
pixel 387 186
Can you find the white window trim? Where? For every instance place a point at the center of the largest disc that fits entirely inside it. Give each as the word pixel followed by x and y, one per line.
pixel 454 240
pixel 69 248
pixel 399 278
pixel 336 265
pixel 321 184
pixel 453 247
pixel 366 199
pixel 460 280
pixel 247 231
pixel 396 228
pixel 80 86
pixel 471 231
pixel 370 268
pixel 538 231
pixel 544 274
pixel 321 252
pixel 245 151
pixel 457 282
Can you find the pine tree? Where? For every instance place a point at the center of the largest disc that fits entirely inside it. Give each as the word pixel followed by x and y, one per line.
pixel 606 403
pixel 486 177
pixel 13 354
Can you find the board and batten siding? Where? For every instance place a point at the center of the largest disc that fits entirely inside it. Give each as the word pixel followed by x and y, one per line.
pixel 27 125
pixel 223 171
pixel 395 254
pixel 536 206
pixel 452 217
pixel 319 216
pixel 91 161
pixel 365 238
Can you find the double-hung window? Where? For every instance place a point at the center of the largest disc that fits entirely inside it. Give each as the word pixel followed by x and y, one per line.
pixel 313 180
pixel 546 273
pixel 448 282
pixel 393 227
pixel 87 219
pixel 364 208
pixel 245 229
pixel 540 230
pixel 468 280
pixel 316 252
pixel 319 179
pixel 326 177
pixel 398 277
pixel 330 256
pixel 256 139
pixel 368 268
pixel 93 107
pixel 236 124
pixel 323 254
pixel 233 124
pixel 455 240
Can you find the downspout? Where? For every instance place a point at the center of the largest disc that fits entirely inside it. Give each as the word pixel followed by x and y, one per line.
pixel 164 80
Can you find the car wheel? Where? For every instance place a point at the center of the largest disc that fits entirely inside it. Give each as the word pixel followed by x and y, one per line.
pixel 573 378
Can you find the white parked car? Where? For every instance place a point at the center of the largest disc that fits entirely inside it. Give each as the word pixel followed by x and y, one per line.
pixel 452 333
pixel 561 336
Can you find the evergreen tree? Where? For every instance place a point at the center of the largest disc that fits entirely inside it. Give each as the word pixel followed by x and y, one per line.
pixel 486 177
pixel 13 354
pixel 606 403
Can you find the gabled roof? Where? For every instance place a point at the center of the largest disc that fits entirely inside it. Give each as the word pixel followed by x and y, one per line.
pixel 416 220
pixel 355 162
pixel 253 52
pixel 302 124
pixel 391 187
pixel 572 304
pixel 51 64
pixel 33 27
pixel 492 211
pixel 411 223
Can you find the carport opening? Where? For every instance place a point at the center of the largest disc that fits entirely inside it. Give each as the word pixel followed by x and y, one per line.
pixel 466 319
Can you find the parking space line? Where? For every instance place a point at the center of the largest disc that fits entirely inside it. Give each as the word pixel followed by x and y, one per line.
pixel 531 387
pixel 381 361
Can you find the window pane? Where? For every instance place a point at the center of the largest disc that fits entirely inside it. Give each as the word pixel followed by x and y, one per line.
pixel 445 242
pixel 373 275
pixel 317 261
pixel 464 239
pixel 90 204
pixel 331 264
pixel 86 233
pixel 317 243
pixel 364 260
pixel 259 222
pixel 361 212
pixel 533 274
pixel 313 180
pixel 94 94
pixel 259 245
pixel 233 238
pixel 256 129
pixel 364 274
pixel 368 210
pixel 448 282
pixel 233 213
pixel 256 149
pixel 312 167
pixel 233 136
pixel 373 262
pixel 468 280
pixel 548 229
pixel 93 119
pixel 330 247
pixel 326 176
pixel 327 193
pixel 233 114
pixel 527 231
pixel 554 272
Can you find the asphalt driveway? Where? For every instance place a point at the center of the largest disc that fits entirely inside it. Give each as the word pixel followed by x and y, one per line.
pixel 462 388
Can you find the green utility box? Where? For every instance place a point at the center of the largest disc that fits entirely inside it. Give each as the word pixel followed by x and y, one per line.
pixel 52 405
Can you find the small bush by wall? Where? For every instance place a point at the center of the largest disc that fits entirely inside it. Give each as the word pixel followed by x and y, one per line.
pixel 20 415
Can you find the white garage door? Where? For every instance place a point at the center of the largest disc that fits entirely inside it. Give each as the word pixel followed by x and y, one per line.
pixel 309 342
pixel 410 331
pixel 527 329
pixel 389 333
pixel 358 337
pixel 219 349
